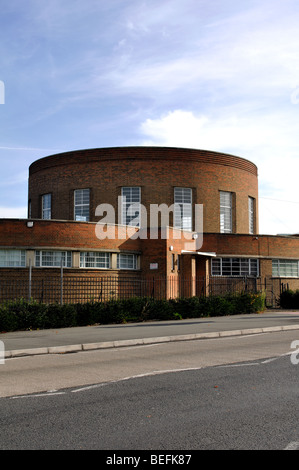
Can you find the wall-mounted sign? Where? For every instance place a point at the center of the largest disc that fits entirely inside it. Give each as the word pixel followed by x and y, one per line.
pixel 154 266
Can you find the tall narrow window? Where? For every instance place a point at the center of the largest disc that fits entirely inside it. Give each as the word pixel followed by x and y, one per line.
pixel 226 209
pixel 131 200
pixel 172 262
pixel 81 205
pixel 183 208
pixel 251 215
pixel 46 206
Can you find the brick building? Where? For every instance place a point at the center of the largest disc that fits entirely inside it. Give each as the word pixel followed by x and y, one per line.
pixel 181 219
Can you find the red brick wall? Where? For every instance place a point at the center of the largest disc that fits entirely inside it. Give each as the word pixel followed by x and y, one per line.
pixel 82 236
pixel 78 236
pixel 59 234
pixel 156 170
pixel 247 245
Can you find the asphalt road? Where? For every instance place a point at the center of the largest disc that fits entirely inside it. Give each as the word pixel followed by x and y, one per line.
pixel 237 392
pixel 109 333
pixel 232 391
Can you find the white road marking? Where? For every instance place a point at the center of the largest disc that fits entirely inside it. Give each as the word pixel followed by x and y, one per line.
pixel 148 374
pixel 292 446
pixel 240 365
pixel 276 357
pixel 250 335
pixel 138 346
pixel 46 394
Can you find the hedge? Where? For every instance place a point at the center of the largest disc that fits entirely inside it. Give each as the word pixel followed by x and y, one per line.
pixel 31 315
pixel 289 299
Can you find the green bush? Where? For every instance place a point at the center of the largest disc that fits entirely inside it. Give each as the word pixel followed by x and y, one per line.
pixel 8 322
pixel 289 299
pixel 61 316
pixel 112 312
pixel 190 307
pixel 24 315
pixel 220 306
pixel 89 313
pixel 160 310
pixel 135 309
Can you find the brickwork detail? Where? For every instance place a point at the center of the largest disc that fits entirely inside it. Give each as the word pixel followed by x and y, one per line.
pixel 156 170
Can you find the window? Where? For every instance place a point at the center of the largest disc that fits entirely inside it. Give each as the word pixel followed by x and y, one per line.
pixel 12 258
pixel 172 262
pixel 46 206
pixel 251 215
pixel 131 199
pixel 183 208
pixel 81 204
pixel 235 267
pixel 94 260
pixel 126 261
pixel 226 209
pixel 285 268
pixel 53 259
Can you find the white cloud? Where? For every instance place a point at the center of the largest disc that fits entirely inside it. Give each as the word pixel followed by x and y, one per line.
pixel 219 75
pixel 13 212
pixel 255 139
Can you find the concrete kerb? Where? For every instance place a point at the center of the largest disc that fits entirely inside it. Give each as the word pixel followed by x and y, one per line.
pixel 142 341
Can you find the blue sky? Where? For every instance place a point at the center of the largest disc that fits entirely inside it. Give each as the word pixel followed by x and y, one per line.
pixel 219 75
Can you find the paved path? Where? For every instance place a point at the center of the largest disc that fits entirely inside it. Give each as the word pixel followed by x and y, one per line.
pixel 107 336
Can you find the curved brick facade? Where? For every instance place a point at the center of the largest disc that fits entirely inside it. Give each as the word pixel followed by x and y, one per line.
pixel 34 251
pixel 156 171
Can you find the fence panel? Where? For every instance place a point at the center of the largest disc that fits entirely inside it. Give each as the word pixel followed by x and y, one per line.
pixel 63 288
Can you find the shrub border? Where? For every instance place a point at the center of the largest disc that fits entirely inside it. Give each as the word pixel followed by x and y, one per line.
pixel 289 299
pixel 31 315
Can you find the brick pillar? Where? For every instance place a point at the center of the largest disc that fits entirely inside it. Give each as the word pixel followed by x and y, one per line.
pixel 188 276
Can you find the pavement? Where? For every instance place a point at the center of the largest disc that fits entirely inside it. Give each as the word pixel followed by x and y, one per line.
pixel 68 340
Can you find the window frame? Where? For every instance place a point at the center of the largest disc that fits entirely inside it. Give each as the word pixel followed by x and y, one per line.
pixel 86 257
pixel 183 209
pixel 47 208
pixel 251 215
pixel 228 267
pixel 282 266
pixel 226 212
pixel 40 257
pixel 122 256
pixel 127 219
pixel 82 205
pixel 13 261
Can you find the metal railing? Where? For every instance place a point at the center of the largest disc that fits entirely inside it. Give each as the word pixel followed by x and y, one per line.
pixel 63 288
